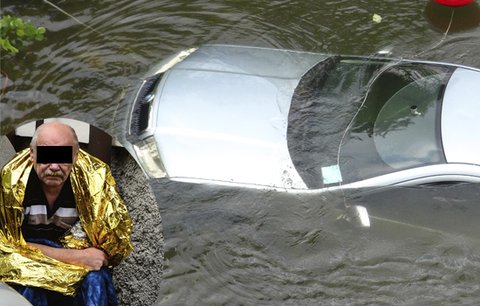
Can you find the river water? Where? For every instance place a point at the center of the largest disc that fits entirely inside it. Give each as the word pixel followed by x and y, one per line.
pixel 241 247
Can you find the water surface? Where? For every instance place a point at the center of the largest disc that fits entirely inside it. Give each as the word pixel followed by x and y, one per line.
pixel 241 247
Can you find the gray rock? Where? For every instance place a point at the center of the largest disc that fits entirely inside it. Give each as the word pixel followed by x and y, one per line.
pixel 138 278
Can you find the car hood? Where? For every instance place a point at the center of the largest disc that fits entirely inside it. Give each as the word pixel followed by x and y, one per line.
pixel 222 115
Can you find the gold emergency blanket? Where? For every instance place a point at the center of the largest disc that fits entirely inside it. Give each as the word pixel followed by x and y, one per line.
pixel 103 217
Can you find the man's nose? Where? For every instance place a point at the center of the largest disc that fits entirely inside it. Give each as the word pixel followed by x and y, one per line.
pixel 54 167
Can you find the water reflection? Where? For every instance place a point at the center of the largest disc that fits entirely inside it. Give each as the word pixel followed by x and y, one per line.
pixel 240 247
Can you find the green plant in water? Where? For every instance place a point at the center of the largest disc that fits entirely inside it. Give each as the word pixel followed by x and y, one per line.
pixel 14 32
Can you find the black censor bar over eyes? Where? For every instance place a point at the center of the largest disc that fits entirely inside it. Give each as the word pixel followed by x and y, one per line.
pixel 54 154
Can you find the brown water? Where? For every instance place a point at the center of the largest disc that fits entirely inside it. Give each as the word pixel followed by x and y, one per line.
pixel 241 247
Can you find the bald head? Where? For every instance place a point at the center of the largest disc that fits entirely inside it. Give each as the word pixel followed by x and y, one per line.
pixel 54 134
pixel 53 174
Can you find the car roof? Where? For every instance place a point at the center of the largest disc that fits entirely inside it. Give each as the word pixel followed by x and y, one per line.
pixel 460 117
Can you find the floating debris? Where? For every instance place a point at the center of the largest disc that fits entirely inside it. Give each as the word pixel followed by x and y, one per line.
pixel 377 18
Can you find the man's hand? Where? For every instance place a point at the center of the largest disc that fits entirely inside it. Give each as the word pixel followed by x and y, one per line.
pixel 91 258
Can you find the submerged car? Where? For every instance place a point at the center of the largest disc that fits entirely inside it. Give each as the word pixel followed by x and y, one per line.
pixel 306 122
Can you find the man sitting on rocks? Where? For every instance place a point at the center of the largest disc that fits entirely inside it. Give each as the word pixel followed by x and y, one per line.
pixel 63 225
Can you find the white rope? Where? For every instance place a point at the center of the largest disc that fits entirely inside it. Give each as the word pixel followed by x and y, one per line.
pixel 131 54
pixel 443 38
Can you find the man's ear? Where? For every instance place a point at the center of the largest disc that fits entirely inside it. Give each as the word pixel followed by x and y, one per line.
pixel 75 155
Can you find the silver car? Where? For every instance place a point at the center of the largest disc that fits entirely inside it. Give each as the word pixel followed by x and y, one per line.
pixel 306 122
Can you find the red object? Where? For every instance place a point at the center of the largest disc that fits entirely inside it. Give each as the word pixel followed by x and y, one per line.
pixel 454 2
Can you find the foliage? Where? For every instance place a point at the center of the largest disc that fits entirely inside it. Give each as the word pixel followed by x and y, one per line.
pixel 14 32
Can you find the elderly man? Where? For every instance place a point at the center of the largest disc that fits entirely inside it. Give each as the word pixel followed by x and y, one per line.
pixel 63 224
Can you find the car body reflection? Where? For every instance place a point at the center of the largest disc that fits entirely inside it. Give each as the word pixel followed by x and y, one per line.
pixel 448 208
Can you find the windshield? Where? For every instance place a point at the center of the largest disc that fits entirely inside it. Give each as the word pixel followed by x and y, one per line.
pixel 323 104
pixel 397 126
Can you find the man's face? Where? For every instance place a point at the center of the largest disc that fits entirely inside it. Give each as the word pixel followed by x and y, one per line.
pixel 52 173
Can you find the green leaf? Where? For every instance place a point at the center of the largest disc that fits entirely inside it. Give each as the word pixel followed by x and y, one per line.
pixel 6 45
pixel 20 33
pixel 30 32
pixel 17 22
pixel 14 29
